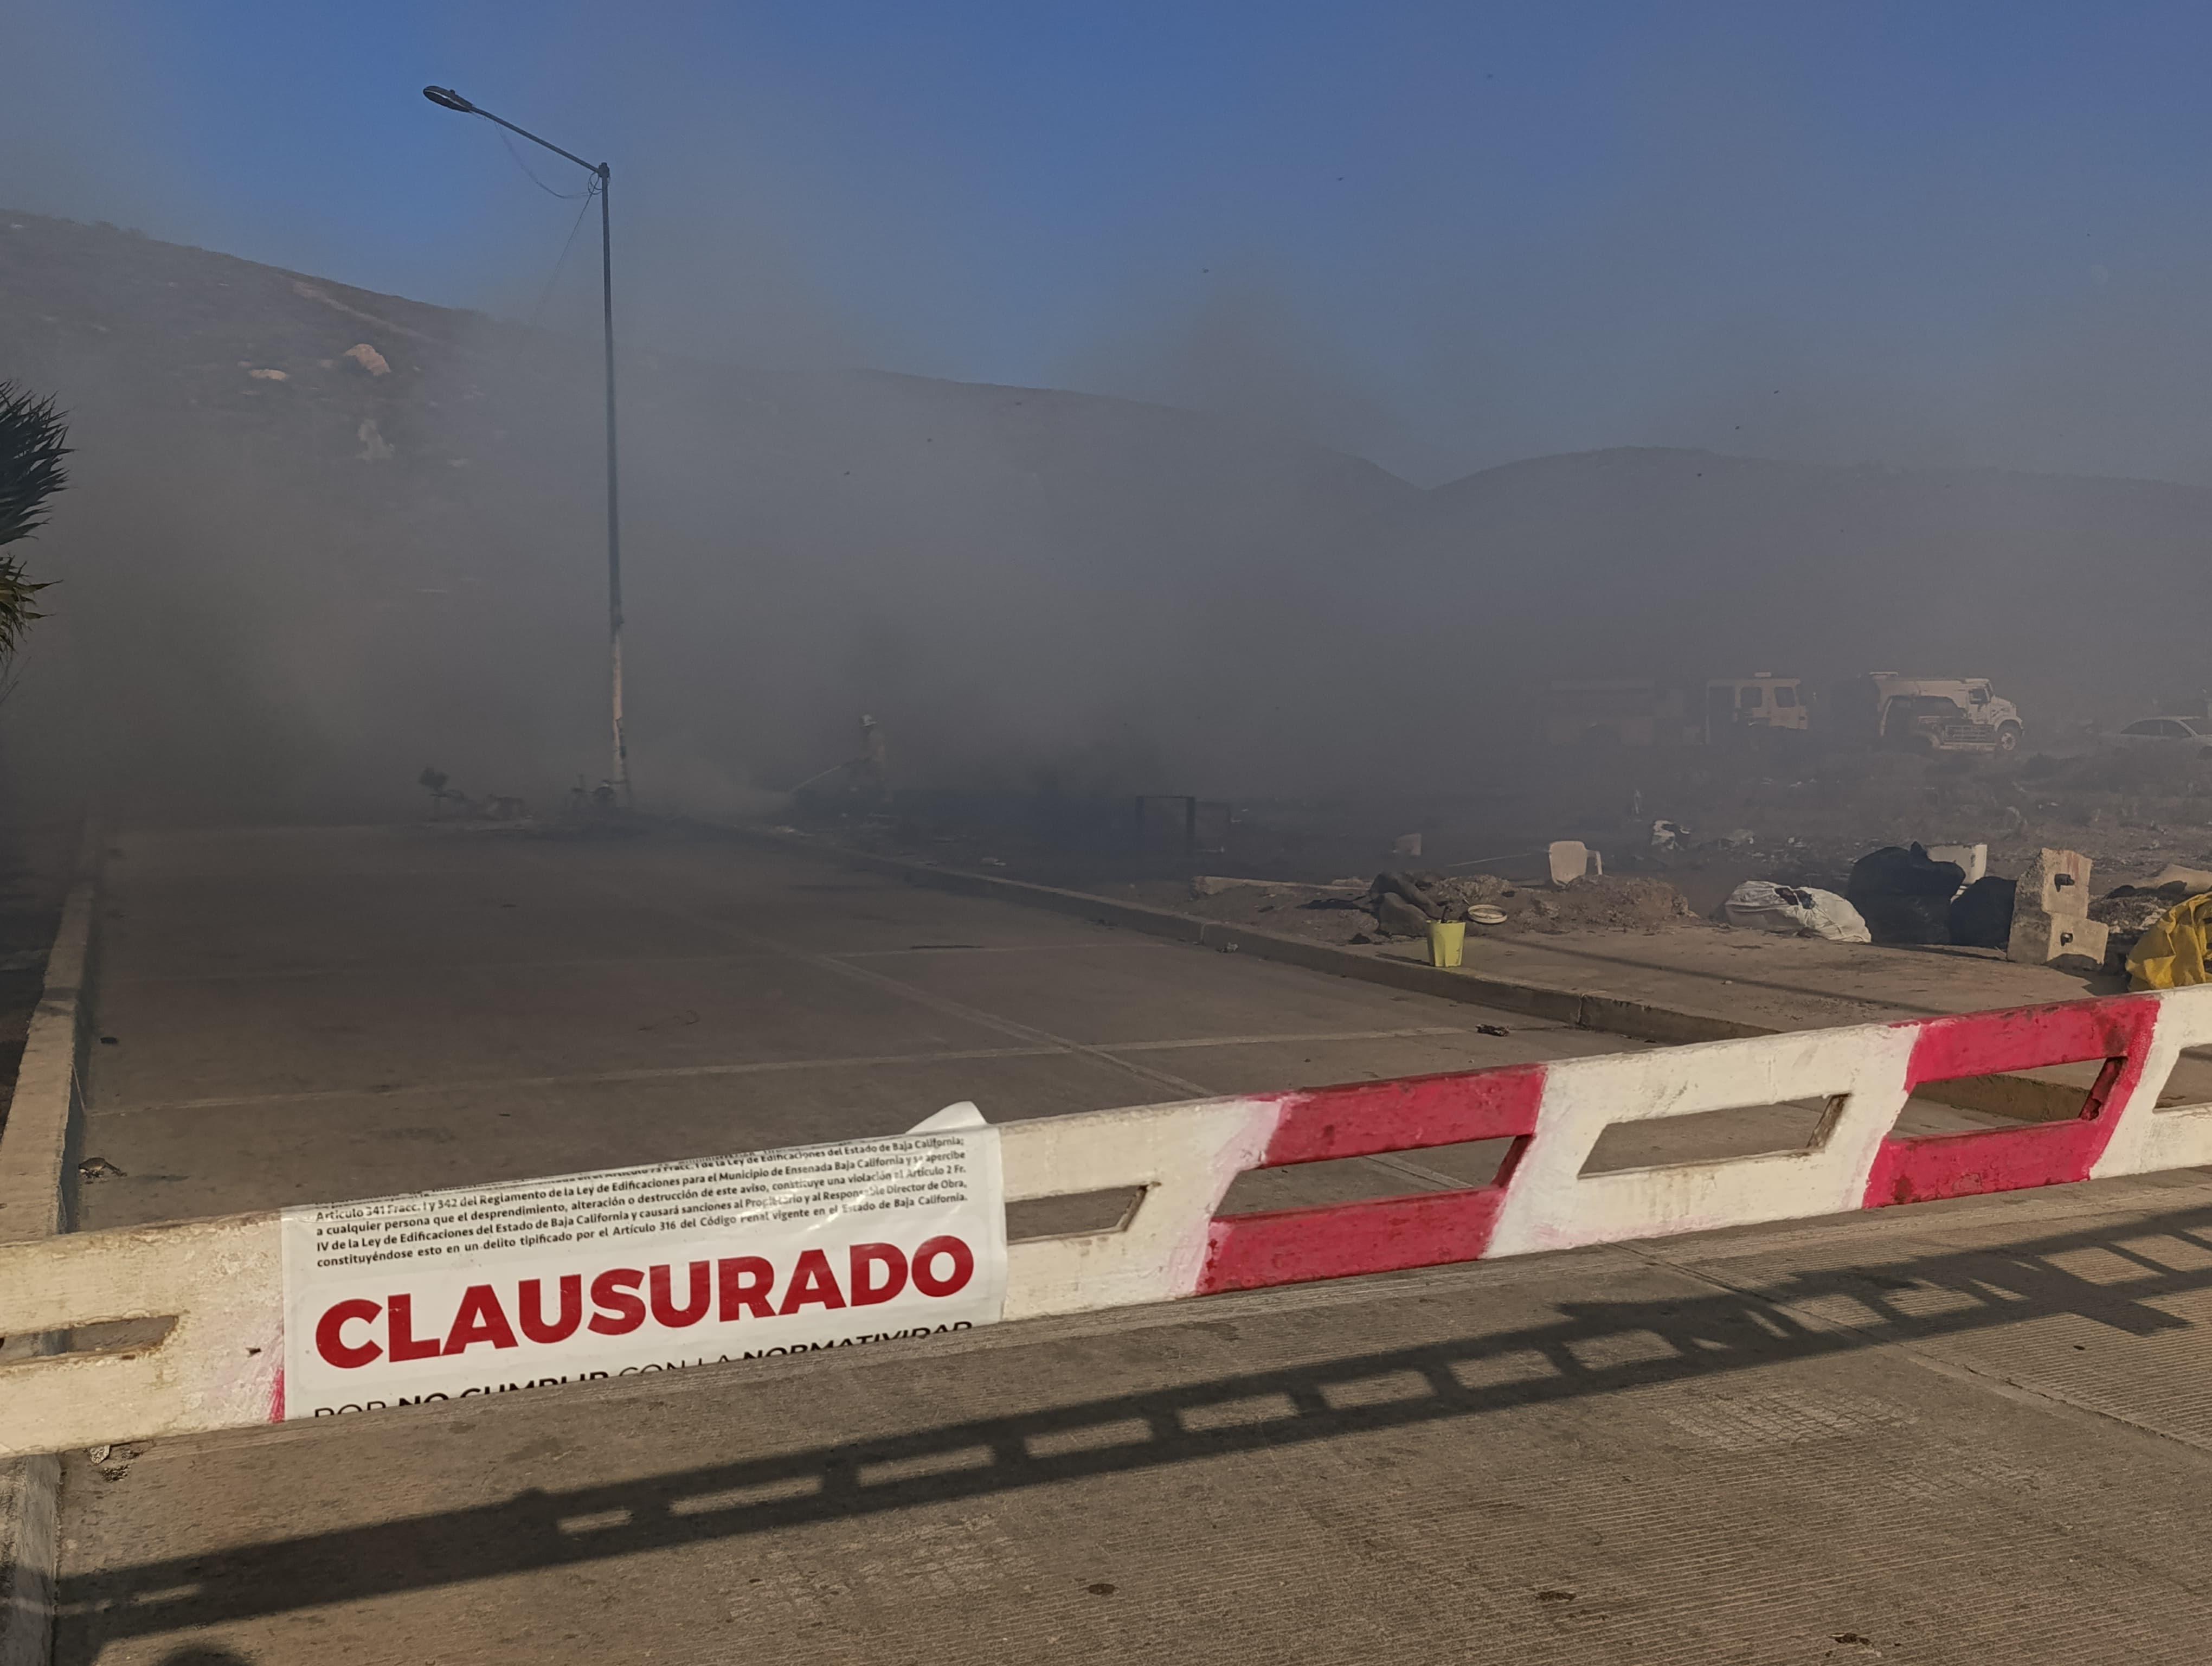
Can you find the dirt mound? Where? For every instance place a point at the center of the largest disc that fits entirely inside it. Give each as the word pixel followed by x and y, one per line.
pixel 1624 903
pixel 1627 903
pixel 1613 903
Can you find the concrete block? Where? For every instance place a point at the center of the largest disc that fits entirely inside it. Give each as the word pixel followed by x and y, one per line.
pixel 2040 938
pixel 1213 884
pixel 1974 858
pixel 2056 883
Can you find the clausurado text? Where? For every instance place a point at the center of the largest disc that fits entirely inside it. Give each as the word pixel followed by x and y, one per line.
pixel 443 1295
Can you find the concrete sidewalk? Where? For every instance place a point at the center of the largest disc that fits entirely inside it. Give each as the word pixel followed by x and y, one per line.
pixel 1788 983
pixel 1958 1434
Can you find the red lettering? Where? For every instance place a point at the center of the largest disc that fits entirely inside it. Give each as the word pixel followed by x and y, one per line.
pixel 812 1283
pixel 529 1308
pixel 613 1293
pixel 331 1342
pixel 400 1311
pixel 665 1311
pixel 924 1275
pixel 865 1256
pixel 480 1320
pixel 746 1281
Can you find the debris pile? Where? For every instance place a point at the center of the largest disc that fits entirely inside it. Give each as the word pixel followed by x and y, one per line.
pixel 494 806
pixel 1398 905
pixel 1919 894
pixel 2126 912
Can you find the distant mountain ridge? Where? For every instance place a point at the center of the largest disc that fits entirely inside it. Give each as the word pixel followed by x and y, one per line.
pixel 2093 592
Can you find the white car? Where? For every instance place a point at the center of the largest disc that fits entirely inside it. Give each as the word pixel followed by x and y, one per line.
pixel 2163 731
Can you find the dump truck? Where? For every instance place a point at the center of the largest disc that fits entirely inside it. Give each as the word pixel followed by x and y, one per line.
pixel 1928 713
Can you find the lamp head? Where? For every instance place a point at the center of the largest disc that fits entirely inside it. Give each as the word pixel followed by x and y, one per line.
pixel 450 99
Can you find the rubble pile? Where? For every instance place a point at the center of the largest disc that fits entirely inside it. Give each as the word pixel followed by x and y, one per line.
pixel 2127 912
pixel 1403 904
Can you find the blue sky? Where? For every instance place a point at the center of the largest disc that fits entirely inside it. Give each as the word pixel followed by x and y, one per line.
pixel 1443 235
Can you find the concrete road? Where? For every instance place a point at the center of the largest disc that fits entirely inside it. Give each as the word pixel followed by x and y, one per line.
pixel 1959 1433
pixel 295 1016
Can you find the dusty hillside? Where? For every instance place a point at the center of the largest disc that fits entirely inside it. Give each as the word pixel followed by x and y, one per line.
pixel 284 596
pixel 287 581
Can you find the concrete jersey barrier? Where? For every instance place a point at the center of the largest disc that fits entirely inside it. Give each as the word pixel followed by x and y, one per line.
pixel 223 1281
pixel 38 1150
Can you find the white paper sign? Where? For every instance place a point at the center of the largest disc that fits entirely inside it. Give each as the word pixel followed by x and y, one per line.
pixel 443 1295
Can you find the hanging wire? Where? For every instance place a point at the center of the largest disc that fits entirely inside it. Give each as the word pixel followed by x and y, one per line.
pixel 546 294
pixel 565 195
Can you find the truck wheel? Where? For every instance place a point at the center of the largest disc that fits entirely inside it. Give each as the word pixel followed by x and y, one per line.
pixel 2007 737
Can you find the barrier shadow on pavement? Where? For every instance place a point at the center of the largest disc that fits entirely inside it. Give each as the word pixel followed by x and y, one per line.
pixel 1591 1349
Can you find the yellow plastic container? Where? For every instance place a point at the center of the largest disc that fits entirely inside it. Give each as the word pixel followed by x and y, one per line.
pixel 1447 942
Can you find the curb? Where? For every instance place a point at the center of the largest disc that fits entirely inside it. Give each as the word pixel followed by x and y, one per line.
pixel 38 1199
pixel 2024 1098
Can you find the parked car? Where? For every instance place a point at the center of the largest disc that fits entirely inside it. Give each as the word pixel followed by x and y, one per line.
pixel 2163 731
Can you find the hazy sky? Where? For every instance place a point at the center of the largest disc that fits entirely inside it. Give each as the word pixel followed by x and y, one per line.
pixel 1443 235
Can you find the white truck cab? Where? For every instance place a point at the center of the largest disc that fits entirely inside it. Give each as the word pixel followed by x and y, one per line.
pixel 1941 714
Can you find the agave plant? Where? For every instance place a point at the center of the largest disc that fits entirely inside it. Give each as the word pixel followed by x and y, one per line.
pixel 31 451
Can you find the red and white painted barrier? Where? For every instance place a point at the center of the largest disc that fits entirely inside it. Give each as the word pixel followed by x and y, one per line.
pixel 223 1280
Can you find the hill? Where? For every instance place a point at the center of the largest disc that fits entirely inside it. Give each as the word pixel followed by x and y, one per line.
pixel 289 580
pixel 286 582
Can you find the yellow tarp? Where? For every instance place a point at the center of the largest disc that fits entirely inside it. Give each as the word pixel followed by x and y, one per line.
pixel 2172 954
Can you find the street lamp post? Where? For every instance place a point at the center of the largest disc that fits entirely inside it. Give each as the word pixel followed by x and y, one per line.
pixel 602 174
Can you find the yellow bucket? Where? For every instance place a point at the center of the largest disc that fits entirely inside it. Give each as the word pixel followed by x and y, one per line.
pixel 1447 942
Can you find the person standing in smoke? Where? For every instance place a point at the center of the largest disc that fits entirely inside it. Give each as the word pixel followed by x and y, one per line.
pixel 868 767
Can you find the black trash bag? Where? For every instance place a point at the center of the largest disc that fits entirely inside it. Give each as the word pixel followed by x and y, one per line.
pixel 1905 870
pixel 1904 894
pixel 1981 915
